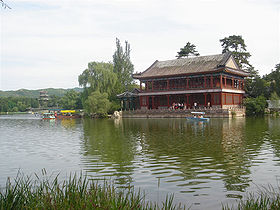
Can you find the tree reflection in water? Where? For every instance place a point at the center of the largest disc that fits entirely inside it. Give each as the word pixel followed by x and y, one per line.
pixel 198 159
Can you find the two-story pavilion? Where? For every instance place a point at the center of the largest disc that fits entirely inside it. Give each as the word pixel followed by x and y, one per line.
pixel 204 81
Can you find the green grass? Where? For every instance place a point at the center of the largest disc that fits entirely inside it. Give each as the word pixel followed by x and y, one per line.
pixel 77 192
pixel 266 198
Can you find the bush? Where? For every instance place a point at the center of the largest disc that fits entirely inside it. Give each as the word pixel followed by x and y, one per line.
pixel 255 106
pixel 97 103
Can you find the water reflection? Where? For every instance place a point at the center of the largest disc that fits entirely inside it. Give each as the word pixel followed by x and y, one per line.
pixel 171 155
pixel 203 164
pixel 108 151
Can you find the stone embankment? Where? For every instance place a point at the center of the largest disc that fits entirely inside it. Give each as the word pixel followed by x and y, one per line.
pixel 166 113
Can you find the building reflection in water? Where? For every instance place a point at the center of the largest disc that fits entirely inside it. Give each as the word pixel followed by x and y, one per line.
pixel 189 159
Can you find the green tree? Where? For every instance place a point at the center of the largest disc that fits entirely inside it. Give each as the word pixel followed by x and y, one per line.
pixel 274 80
pixel 54 101
pixel 97 103
pixel 258 87
pixel 70 100
pixel 255 106
pixel 274 99
pixel 236 45
pixel 123 67
pixel 187 50
pixel 99 76
pixel 274 96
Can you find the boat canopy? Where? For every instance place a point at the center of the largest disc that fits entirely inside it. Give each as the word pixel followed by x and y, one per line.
pixel 67 111
pixel 198 112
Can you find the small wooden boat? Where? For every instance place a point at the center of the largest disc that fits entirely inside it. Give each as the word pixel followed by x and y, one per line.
pixel 198 116
pixel 48 116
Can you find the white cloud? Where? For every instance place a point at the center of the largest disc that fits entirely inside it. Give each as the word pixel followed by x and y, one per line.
pixel 49 43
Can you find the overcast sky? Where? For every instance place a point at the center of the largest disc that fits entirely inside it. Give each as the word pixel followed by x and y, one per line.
pixel 48 43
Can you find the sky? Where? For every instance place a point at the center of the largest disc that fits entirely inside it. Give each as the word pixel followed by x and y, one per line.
pixel 48 43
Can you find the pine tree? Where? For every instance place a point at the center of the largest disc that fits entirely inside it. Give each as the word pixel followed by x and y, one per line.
pixel 188 50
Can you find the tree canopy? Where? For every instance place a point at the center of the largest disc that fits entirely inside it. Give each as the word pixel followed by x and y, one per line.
pixel 105 80
pixel 123 66
pixel 71 100
pixel 236 45
pixel 97 103
pixel 99 76
pixel 187 50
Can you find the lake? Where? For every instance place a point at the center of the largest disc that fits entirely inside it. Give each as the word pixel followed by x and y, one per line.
pixel 202 164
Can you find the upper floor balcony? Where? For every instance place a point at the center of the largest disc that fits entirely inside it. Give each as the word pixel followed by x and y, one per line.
pixel 193 83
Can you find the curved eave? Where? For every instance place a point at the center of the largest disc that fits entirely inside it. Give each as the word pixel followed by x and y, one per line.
pixel 236 72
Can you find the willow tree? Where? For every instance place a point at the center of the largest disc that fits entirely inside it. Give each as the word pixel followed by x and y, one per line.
pixel 123 67
pixel 97 103
pixel 187 50
pixel 99 77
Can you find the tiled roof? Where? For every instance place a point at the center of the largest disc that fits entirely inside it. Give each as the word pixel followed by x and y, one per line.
pixel 193 65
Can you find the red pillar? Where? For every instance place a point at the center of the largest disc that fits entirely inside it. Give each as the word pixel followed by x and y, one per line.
pixel 187 83
pixel 233 99
pixel 211 78
pixel 152 85
pixel 168 84
pixel 221 81
pixel 225 81
pixel 232 82
pixel 205 99
pixel 204 81
pixel 221 99
pixel 168 105
pixel 153 102
pixel 140 101
pixel 140 85
pixel 147 101
pixel 187 99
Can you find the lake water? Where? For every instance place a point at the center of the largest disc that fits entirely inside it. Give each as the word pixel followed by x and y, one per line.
pixel 202 164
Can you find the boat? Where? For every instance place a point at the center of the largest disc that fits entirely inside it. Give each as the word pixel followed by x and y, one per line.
pixel 48 116
pixel 198 116
pixel 64 114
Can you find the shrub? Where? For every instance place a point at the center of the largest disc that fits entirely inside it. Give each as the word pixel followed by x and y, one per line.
pixel 255 106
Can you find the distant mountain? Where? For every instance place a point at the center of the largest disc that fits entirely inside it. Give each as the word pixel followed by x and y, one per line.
pixel 36 93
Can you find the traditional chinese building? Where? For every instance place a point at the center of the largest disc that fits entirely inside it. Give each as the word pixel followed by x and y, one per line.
pixel 197 82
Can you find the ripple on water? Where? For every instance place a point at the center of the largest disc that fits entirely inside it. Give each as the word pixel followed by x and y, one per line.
pixel 202 165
